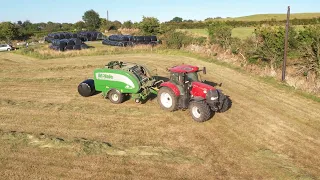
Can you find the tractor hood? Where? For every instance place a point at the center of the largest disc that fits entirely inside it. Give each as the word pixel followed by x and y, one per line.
pixel 200 89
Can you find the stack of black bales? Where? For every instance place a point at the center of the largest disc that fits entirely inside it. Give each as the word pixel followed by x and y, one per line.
pixel 67 44
pixel 128 40
pixel 83 36
pixel 60 35
pixel 90 35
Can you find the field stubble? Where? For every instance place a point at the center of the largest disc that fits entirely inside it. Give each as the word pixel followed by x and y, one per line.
pixel 49 131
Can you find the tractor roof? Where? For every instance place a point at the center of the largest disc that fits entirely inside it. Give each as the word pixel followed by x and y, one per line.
pixel 184 69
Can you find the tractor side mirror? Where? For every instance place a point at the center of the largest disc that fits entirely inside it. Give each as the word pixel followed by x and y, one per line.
pixel 204 70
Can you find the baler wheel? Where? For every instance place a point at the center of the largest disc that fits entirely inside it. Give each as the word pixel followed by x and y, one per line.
pixel 115 96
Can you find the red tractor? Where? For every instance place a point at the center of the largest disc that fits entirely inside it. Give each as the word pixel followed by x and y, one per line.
pixel 184 90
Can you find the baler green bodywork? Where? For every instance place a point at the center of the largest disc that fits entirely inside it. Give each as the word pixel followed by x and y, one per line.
pixel 131 79
pixel 106 79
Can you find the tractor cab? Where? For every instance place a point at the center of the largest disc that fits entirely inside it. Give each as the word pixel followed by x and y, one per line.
pixel 183 75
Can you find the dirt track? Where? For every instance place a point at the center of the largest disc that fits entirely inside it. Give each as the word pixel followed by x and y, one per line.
pixel 268 132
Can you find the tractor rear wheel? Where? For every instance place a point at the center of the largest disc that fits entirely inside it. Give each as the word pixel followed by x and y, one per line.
pixel 115 96
pixel 200 111
pixel 167 99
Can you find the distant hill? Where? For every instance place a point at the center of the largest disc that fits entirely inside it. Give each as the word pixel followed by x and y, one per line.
pixel 260 17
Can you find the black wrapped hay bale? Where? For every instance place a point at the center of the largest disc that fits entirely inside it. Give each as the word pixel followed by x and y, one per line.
pixel 57 48
pixel 61 36
pixel 69 47
pixel 94 36
pixel 118 38
pixel 99 36
pixel 138 39
pixel 147 38
pixel 77 47
pixel 48 39
pixel 68 42
pixel 59 43
pixel 76 41
pixel 83 39
pixel 67 35
pixel 86 88
pixel 153 38
pixel 113 43
pixel 84 46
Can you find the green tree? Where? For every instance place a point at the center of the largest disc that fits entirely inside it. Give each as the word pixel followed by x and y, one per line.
pixel 190 21
pixel 66 26
pixel 8 31
pixel 26 24
pixel 127 24
pixel 149 25
pixel 79 25
pixel 27 29
pixel 52 27
pixel 136 25
pixel 91 19
pixel 177 19
pixel 117 24
pixel 105 24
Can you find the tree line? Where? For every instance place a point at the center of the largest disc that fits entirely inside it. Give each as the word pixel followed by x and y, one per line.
pixel 149 25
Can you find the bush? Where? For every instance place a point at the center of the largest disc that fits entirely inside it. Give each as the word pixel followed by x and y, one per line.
pixel 248 48
pixel 220 33
pixel 177 39
pixel 199 41
pixel 149 26
pixel 309 48
pixel 270 45
pixel 235 45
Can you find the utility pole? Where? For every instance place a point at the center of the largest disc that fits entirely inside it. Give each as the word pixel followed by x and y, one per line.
pixel 107 15
pixel 286 46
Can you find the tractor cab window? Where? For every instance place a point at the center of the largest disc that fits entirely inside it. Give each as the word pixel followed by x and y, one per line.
pixel 177 78
pixel 174 77
pixel 192 77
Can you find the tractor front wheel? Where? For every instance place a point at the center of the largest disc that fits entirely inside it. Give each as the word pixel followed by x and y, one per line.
pixel 167 99
pixel 115 96
pixel 200 111
pixel 226 104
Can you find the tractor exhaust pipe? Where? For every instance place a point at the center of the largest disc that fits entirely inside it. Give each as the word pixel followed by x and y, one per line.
pixel 204 70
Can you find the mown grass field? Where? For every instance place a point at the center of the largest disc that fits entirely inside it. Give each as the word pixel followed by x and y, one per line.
pixel 278 17
pixel 48 131
pixel 239 32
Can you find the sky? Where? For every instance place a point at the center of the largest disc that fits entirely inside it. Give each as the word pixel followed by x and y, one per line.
pixel 72 11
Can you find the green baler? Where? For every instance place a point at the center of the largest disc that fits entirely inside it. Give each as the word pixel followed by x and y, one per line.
pixel 118 79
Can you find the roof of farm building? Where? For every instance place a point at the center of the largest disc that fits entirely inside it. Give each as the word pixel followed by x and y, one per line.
pixel 184 69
